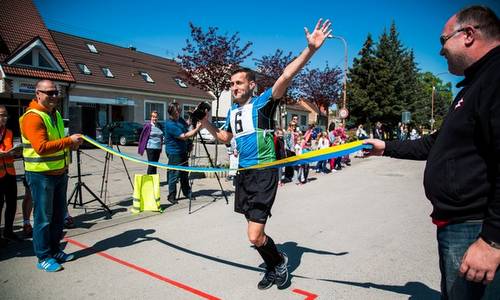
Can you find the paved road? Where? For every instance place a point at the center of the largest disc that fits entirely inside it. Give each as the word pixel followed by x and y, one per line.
pixel 361 233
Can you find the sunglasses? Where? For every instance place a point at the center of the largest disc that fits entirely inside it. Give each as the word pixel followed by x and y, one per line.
pixel 444 38
pixel 50 93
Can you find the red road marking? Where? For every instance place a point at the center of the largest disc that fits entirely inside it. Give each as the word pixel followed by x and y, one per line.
pixel 147 272
pixel 309 296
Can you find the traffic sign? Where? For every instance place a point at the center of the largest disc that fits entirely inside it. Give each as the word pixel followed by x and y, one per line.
pixel 343 113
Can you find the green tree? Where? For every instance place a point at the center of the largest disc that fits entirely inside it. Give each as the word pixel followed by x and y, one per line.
pixel 442 100
pixel 361 103
pixel 383 82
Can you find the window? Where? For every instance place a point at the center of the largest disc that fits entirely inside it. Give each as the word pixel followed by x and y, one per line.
pixel 303 120
pixel 107 72
pixel 26 60
pixel 181 83
pixel 84 69
pixel 150 106
pixel 92 48
pixel 147 77
pixel 42 62
pixel 186 109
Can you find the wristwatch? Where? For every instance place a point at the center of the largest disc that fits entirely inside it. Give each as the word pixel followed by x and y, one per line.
pixel 491 243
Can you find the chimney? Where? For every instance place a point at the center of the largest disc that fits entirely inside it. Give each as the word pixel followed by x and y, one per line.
pixel 132 48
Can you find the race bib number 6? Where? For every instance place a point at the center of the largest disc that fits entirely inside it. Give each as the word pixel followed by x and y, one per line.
pixel 241 121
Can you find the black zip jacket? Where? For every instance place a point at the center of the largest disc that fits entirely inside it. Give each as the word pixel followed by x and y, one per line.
pixel 462 173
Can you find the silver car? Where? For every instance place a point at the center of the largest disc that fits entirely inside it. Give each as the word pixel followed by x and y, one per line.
pixel 207 136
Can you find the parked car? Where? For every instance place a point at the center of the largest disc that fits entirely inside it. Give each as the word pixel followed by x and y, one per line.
pixel 207 136
pixel 123 132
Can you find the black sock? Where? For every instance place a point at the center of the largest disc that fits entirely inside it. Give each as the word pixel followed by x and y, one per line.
pixel 270 253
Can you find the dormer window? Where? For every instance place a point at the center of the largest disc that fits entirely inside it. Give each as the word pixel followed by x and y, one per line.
pixel 92 48
pixel 107 72
pixel 147 77
pixel 181 83
pixel 84 69
pixel 36 55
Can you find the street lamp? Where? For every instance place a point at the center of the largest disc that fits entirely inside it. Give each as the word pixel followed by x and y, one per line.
pixel 345 68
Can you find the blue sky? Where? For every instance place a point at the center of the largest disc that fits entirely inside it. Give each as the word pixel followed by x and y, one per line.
pixel 161 27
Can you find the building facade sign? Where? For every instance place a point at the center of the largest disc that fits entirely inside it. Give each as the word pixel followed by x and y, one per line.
pixel 27 86
pixel 123 101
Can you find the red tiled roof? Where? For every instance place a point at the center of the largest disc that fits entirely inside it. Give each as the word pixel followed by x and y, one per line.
pixel 125 65
pixel 20 23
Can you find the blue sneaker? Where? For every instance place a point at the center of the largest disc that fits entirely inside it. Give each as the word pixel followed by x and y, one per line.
pixel 62 257
pixel 49 265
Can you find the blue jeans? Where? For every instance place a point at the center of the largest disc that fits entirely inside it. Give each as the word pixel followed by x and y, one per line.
pixel 321 166
pixel 49 206
pixel 173 176
pixel 453 241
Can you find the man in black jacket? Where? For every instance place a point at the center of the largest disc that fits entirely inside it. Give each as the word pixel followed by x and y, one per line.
pixel 462 174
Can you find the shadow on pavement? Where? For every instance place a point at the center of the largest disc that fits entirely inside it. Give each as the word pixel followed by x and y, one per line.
pixel 125 203
pixel 206 256
pixel 295 253
pixel 211 193
pixel 22 248
pixel 84 220
pixel 122 240
pixel 136 236
pixel 416 290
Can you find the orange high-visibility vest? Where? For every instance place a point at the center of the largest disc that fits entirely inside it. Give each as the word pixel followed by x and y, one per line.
pixel 6 163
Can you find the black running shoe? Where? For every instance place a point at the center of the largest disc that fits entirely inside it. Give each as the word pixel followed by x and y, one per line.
pixel 171 199
pixel 267 281
pixel 282 271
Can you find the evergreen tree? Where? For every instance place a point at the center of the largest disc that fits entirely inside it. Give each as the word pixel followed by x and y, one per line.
pixel 384 81
pixel 361 105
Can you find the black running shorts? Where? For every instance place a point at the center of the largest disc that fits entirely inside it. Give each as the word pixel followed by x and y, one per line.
pixel 255 193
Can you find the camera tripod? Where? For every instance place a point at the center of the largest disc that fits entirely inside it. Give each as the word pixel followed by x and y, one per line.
pixel 105 172
pixel 191 179
pixel 77 191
